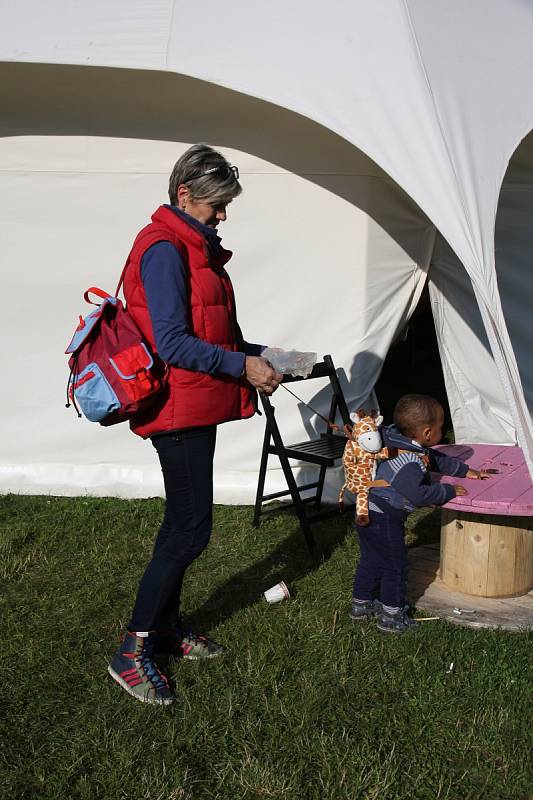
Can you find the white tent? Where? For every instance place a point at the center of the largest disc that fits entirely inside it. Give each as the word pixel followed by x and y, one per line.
pixel 372 140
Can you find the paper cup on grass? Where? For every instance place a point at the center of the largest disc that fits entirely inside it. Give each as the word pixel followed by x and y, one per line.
pixel 277 593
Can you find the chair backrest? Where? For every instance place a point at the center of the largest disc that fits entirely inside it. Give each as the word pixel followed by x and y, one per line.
pixel 323 369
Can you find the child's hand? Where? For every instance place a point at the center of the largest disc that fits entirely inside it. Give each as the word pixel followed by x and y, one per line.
pixel 460 490
pixel 477 474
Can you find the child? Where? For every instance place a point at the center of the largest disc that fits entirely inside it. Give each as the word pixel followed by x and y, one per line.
pixel 382 568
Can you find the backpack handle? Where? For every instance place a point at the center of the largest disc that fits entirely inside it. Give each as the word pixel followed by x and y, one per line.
pixel 97 292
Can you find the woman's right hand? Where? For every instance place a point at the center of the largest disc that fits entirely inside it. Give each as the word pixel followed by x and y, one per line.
pixel 261 374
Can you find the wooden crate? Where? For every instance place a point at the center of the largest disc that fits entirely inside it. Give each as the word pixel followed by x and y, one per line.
pixel 487 556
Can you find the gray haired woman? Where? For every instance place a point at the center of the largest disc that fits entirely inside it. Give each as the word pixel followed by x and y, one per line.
pixel 180 295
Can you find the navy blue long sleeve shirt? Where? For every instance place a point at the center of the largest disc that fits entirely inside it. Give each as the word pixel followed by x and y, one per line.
pixel 164 278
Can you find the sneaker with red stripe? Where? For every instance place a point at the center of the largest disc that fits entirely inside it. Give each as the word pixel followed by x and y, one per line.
pixel 134 669
pixel 194 646
pixel 188 645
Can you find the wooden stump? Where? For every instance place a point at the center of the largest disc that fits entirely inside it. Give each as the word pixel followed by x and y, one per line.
pixel 487 556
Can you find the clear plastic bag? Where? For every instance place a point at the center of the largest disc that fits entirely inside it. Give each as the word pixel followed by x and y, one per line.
pixel 290 362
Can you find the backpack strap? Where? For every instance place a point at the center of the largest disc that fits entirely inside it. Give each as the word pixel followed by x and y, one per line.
pixel 121 279
pixel 396 451
pixel 423 457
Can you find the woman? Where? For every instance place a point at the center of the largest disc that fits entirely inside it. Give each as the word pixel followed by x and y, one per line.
pixel 181 297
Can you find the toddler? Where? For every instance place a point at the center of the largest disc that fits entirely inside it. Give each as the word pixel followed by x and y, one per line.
pixel 381 575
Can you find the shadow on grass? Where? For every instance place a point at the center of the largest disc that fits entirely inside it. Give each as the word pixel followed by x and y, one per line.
pixel 288 562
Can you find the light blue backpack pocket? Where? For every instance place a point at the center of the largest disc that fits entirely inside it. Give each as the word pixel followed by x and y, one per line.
pixel 94 394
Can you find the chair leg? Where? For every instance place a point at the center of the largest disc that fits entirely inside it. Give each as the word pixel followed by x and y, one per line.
pixel 261 479
pixel 320 487
pixel 298 505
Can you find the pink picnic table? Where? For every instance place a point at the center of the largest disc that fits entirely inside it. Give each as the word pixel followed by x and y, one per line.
pixel 487 535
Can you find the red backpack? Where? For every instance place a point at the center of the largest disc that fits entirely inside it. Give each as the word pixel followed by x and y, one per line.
pixel 113 373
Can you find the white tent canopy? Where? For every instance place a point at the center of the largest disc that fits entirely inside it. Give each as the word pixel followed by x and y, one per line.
pixel 308 98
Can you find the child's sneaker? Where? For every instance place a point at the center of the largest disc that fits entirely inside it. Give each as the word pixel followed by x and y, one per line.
pixel 133 668
pixel 397 622
pixel 188 645
pixel 361 610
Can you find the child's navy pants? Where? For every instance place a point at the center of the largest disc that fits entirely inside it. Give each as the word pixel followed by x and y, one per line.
pixel 382 568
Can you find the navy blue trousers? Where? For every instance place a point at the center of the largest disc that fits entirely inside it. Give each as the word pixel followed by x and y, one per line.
pixel 382 568
pixel 186 459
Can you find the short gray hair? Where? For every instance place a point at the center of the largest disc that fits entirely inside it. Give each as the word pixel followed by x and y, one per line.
pixel 207 174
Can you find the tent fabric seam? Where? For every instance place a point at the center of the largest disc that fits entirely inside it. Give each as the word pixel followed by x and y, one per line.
pixel 439 123
pixel 170 29
pixel 22 171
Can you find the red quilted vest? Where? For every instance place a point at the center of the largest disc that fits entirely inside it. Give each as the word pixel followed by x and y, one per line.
pixel 190 399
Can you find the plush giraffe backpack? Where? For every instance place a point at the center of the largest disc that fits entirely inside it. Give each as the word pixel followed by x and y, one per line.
pixel 361 455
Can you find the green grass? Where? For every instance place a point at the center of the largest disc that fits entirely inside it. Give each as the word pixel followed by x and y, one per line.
pixel 305 705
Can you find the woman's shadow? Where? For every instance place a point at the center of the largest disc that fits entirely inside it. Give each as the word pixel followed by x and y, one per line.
pixel 288 562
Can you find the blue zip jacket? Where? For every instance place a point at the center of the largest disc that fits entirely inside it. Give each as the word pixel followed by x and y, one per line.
pixel 410 484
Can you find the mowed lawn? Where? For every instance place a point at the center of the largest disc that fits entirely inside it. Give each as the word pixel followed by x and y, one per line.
pixel 305 704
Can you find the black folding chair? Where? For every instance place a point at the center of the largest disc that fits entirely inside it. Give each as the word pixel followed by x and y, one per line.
pixel 322 451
